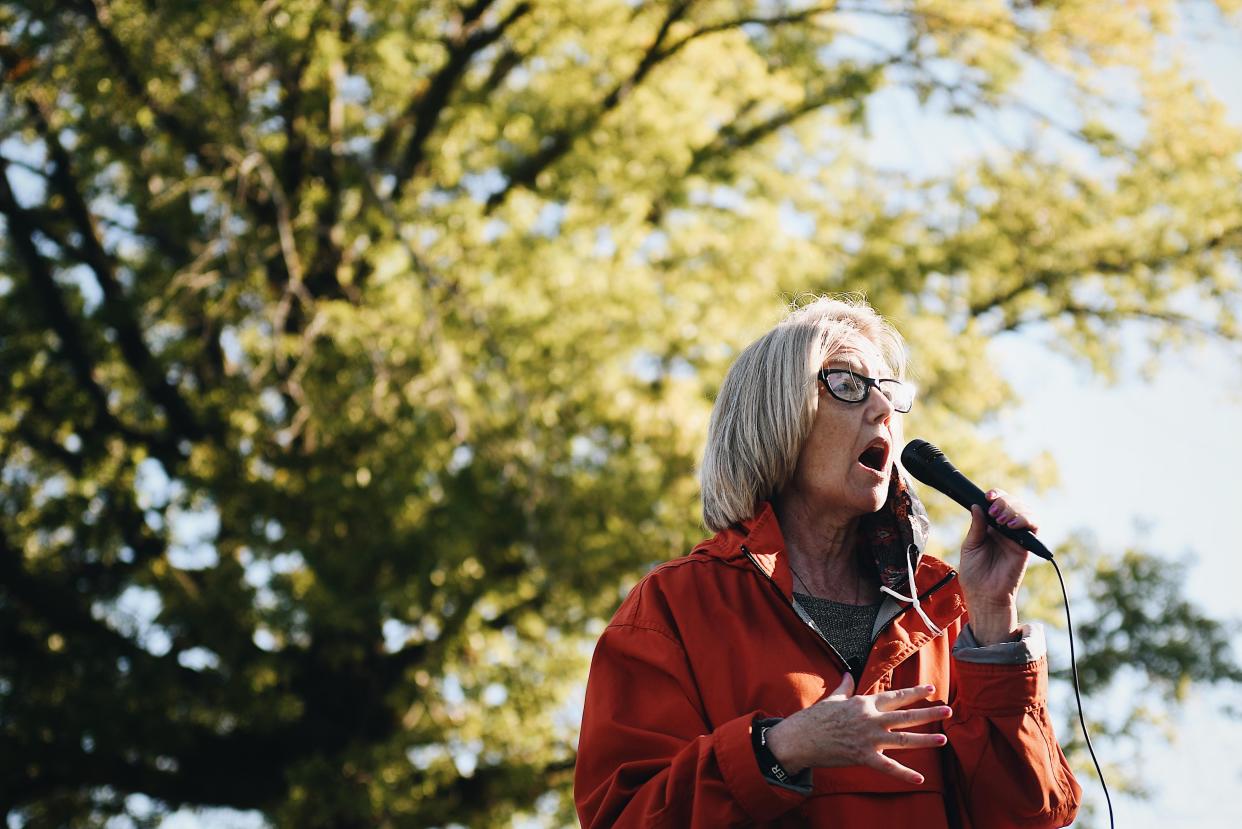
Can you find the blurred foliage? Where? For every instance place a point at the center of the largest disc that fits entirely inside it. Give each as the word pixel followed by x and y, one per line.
pixel 1142 646
pixel 355 356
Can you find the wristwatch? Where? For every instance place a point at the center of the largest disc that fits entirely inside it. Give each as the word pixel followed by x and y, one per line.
pixel 771 768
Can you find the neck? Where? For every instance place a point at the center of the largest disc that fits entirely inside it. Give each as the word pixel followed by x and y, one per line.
pixel 821 550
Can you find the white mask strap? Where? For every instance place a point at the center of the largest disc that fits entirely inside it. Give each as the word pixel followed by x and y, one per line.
pixel 913 597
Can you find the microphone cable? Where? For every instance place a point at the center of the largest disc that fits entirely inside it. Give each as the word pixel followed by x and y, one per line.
pixel 1082 720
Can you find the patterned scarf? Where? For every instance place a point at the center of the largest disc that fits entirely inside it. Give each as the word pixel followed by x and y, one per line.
pixel 896 534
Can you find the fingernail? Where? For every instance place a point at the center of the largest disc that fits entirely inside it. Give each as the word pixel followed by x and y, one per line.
pixel 994 510
pixel 943 740
pixel 1013 522
pixel 929 688
pixel 918 782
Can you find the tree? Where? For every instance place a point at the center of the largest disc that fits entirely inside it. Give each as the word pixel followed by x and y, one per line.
pixel 355 356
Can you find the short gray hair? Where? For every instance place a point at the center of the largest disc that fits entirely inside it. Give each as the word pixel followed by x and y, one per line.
pixel 767 402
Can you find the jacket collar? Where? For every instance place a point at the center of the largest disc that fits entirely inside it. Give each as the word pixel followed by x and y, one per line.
pixel 897 530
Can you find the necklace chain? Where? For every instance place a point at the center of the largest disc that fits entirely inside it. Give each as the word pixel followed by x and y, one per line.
pixel 810 592
pixel 796 576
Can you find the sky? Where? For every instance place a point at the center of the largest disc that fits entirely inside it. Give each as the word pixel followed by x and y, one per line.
pixel 1149 463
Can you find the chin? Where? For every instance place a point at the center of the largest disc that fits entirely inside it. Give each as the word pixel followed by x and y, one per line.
pixel 879 497
pixel 871 503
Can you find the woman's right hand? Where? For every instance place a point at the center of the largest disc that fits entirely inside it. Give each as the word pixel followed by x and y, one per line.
pixel 847 730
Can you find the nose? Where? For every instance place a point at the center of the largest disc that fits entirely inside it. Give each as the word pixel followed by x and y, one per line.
pixel 879 408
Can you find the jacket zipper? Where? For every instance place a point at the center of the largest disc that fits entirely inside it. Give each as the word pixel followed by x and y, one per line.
pixel 845 666
pixel 952 574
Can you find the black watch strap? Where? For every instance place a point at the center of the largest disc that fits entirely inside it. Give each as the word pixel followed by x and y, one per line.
pixel 771 768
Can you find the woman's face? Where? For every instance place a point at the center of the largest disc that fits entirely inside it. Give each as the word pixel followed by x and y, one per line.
pixel 846 462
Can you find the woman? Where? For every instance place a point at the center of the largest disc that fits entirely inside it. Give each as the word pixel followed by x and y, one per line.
pixel 808 665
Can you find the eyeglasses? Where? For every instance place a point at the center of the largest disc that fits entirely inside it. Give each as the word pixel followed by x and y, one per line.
pixel 849 387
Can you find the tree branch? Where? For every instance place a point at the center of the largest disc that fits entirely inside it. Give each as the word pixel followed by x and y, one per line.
pixel 129 336
pixel 21 231
pixel 388 139
pixel 737 135
pixel 31 433
pixel 425 110
pixel 1121 313
pixel 751 20
pixel 61 608
pixel 523 173
pixel 321 278
pixel 190 136
pixel 1048 278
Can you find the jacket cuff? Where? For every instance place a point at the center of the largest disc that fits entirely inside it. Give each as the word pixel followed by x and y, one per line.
pixel 1029 647
pixel 754 794
pixel 1001 690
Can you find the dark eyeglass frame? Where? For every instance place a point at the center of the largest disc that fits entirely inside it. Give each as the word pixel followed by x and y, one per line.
pixel 869 383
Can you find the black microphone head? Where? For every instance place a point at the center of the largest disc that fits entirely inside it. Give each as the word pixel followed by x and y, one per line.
pixel 919 455
pixel 929 465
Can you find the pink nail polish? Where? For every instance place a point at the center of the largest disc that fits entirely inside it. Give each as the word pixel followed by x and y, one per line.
pixel 994 510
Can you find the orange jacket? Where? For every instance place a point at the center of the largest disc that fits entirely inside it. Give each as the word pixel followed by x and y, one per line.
pixel 707 643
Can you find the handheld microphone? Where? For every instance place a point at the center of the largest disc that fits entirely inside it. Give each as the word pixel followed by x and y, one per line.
pixel 929 465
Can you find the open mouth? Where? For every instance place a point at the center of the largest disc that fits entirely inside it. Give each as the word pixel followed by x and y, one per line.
pixel 875 456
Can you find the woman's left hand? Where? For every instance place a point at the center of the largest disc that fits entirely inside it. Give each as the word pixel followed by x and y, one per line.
pixel 992 567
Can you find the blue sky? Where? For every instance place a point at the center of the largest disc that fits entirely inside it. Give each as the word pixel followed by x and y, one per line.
pixel 1149 462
